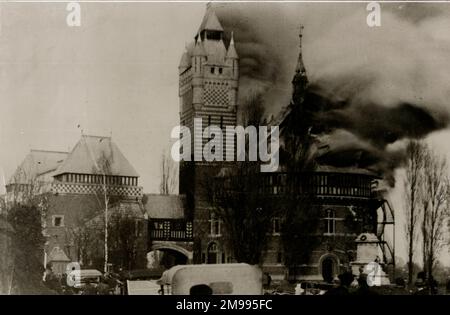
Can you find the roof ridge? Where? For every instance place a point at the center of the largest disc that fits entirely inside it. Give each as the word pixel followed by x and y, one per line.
pixel 95 136
pixel 49 151
pixel 157 194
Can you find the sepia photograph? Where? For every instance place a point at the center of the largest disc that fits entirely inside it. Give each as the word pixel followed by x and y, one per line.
pixel 229 148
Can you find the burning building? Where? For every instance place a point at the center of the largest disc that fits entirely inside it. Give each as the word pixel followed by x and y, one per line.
pixel 340 185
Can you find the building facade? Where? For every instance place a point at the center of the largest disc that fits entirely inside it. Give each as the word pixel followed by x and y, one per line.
pixel 75 187
pixel 208 90
pixel 344 198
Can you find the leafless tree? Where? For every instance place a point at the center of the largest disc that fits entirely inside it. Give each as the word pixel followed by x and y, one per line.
pixel 252 110
pixel 246 213
pixel 81 237
pixel 236 200
pixel 435 198
pixel 25 210
pixel 26 188
pixel 301 218
pixel 415 153
pixel 103 168
pixel 126 232
pixel 168 175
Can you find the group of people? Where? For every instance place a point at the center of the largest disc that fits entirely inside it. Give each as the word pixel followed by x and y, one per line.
pixel 425 286
pixel 103 287
pixel 345 287
pixel 422 286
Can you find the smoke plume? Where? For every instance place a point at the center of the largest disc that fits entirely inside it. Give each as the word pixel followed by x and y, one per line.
pixel 377 86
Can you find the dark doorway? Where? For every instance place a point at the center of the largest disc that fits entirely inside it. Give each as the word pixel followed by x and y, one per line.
pixel 212 253
pixel 328 269
pixel 172 258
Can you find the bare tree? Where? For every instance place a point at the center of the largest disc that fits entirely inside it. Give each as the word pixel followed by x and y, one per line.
pixel 25 210
pixel 124 238
pixel 412 196
pixel 299 229
pixel 237 201
pixel 125 231
pixel 168 175
pixel 245 211
pixel 435 197
pixel 103 168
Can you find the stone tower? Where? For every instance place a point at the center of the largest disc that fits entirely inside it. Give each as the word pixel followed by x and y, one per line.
pixel 208 88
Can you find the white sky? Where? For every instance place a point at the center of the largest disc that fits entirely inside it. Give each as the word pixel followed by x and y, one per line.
pixel 117 73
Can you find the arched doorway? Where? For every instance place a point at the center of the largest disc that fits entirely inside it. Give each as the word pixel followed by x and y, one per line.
pixel 328 268
pixel 212 253
pixel 169 255
pixel 172 258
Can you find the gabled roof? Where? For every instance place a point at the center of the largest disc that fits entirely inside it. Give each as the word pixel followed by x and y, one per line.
pixel 164 206
pixel 36 163
pixel 57 254
pixel 94 154
pixel 130 209
pixel 210 22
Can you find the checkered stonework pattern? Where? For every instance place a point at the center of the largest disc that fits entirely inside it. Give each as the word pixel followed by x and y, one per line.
pixel 87 189
pixel 216 94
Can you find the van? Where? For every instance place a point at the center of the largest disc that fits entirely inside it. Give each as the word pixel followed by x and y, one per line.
pixel 213 279
pixel 81 277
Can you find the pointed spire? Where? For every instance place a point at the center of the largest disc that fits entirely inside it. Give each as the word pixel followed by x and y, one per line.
pixel 300 81
pixel 198 47
pixel 300 68
pixel 231 53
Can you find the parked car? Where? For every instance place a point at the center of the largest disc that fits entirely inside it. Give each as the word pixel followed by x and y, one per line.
pixel 80 278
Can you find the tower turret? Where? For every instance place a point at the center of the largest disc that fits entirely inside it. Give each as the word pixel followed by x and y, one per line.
pixel 232 59
pixel 208 92
pixel 198 60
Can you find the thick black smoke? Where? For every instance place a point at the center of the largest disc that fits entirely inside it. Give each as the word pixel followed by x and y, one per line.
pixel 374 87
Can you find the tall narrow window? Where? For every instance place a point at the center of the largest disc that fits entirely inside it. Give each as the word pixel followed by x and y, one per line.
pixel 330 222
pixel 214 225
pixel 279 258
pixel 212 253
pixel 276 226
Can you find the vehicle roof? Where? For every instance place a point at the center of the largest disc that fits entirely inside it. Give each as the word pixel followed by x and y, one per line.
pixel 90 273
pixel 169 274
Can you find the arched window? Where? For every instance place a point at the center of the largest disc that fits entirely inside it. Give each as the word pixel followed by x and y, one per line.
pixel 330 221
